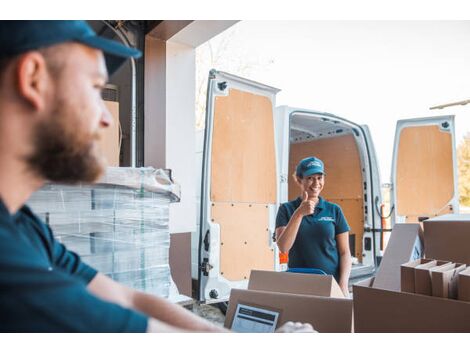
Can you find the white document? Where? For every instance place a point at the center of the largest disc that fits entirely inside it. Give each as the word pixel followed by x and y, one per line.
pixel 252 319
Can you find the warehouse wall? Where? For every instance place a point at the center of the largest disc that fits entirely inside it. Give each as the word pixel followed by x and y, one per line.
pixel 170 131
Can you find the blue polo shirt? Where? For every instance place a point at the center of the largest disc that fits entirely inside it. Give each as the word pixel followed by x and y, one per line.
pixel 315 245
pixel 43 285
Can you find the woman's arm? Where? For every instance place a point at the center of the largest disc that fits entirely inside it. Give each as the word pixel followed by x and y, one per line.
pixel 285 235
pixel 345 261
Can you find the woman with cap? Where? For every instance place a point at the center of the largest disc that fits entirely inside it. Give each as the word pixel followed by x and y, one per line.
pixel 313 231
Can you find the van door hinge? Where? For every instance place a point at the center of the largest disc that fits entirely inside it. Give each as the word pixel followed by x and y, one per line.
pixel 283 178
pixel 205 267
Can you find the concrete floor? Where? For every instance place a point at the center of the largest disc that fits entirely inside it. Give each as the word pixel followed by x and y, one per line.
pixel 208 312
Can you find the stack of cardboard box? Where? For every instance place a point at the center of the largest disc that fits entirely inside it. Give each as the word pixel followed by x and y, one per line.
pixel 408 293
pixel 424 302
pixel 431 277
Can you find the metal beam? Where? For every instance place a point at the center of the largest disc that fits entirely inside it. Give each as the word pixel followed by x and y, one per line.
pixel 463 102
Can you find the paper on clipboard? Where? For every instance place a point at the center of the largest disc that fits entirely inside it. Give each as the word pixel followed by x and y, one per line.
pixel 254 320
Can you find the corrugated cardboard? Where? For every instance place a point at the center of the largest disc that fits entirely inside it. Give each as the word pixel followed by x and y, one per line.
pixel 404 246
pixel 308 298
pixel 305 284
pixel 447 237
pixel 464 285
pixel 109 137
pixel 444 280
pixel 378 310
pixel 407 274
pixel 423 284
pixel 326 314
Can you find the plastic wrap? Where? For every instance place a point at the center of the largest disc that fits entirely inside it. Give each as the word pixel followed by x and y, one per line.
pixel 119 226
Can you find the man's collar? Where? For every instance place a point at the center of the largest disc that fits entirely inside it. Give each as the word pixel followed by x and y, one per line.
pixel 3 208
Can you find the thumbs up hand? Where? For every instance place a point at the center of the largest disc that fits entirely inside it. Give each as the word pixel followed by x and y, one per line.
pixel 304 196
pixel 307 207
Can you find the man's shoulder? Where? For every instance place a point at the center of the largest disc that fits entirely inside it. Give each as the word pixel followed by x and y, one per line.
pixel 32 221
pixel 28 215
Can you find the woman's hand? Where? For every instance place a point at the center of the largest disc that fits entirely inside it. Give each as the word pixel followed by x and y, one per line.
pixel 291 327
pixel 307 207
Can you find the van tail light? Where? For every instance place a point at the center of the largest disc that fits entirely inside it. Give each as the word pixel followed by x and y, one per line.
pixel 283 258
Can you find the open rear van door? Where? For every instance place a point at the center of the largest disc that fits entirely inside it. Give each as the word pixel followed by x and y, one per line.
pixel 352 180
pixel 424 169
pixel 239 185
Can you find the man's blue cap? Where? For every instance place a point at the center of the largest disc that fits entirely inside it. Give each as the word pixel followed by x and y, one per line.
pixel 17 37
pixel 309 166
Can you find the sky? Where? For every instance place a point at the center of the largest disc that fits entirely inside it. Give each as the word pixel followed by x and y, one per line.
pixel 369 72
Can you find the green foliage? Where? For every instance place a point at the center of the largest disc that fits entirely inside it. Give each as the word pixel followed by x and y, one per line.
pixel 463 161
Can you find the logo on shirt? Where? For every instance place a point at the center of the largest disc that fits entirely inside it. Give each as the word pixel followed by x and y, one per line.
pixel 326 218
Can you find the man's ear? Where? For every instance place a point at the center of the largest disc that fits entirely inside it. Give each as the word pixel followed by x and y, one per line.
pixel 32 76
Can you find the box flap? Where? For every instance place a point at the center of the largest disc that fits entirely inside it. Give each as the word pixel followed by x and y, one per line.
pixel 415 263
pixel 326 314
pixel 404 245
pixel 441 277
pixel 441 268
pixel 464 285
pixel 423 284
pixel 454 280
pixel 465 272
pixel 307 284
pixel 426 266
pixel 407 274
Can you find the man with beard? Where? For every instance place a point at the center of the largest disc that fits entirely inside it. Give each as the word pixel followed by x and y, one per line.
pixel 45 134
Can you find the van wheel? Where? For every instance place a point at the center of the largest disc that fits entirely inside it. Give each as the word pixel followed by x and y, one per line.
pixel 222 307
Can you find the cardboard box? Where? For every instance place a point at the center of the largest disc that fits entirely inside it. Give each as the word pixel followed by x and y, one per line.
pixel 404 246
pixel 407 274
pixel 444 280
pixel 284 282
pixel 423 284
pixel 379 310
pixel 464 285
pixel 306 298
pixel 447 237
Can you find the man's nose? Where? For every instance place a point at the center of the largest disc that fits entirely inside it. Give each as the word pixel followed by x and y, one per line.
pixel 106 118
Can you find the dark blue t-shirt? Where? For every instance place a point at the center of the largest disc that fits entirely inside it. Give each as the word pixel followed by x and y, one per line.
pixel 315 245
pixel 43 285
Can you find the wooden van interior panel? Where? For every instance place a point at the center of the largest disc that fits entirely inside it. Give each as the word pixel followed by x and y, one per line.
pixel 243 165
pixel 354 212
pixel 425 181
pixel 342 166
pixel 343 182
pixel 109 141
pixel 244 239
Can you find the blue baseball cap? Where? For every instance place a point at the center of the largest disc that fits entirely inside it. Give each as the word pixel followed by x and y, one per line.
pixel 310 166
pixel 17 37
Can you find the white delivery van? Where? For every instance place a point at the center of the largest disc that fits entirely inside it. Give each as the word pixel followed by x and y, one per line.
pixel 251 148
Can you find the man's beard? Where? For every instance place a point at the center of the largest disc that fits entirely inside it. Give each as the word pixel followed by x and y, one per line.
pixel 62 153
